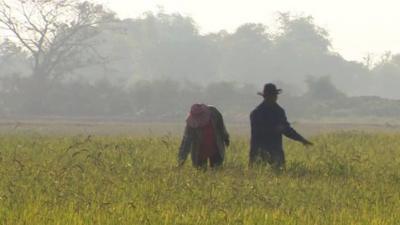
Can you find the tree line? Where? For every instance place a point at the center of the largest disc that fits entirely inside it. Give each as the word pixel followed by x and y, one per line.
pixel 74 58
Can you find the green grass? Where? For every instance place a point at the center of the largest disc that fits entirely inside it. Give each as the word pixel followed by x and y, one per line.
pixel 346 178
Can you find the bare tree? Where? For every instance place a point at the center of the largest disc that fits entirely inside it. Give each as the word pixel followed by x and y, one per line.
pixel 56 34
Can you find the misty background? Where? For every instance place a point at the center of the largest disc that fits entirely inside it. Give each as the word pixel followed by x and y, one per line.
pixel 73 59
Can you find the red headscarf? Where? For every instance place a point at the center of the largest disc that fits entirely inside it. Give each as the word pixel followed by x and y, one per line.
pixel 199 116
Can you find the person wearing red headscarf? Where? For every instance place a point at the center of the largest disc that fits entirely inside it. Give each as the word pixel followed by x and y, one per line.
pixel 205 137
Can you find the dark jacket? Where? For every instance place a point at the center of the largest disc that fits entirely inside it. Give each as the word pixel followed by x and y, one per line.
pixel 193 136
pixel 268 123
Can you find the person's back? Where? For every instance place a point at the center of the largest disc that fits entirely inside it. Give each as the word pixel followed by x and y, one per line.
pixel 205 137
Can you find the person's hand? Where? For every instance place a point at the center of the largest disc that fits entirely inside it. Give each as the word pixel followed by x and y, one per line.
pixel 227 142
pixel 307 143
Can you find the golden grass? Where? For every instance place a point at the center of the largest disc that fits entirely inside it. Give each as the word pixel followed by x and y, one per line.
pixel 346 178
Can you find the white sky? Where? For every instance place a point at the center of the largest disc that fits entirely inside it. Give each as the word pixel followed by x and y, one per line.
pixel 356 27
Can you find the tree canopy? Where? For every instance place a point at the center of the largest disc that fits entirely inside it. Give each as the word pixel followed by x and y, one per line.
pixel 70 57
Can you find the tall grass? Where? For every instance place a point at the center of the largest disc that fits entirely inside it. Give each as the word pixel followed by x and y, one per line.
pixel 346 178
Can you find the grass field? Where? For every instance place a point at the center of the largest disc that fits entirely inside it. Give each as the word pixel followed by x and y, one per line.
pixel 346 178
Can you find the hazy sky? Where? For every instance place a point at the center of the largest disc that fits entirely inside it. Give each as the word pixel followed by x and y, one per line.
pixel 356 27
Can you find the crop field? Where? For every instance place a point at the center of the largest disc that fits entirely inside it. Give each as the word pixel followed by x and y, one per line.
pixel 346 178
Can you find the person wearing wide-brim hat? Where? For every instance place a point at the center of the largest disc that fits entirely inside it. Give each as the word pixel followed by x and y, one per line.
pixel 205 137
pixel 268 124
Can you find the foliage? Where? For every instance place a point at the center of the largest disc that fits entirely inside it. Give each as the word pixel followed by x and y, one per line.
pixel 322 89
pixel 168 101
pixel 170 46
pixel 155 66
pixel 56 35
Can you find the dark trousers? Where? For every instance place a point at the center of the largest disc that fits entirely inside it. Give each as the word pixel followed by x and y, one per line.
pixel 215 162
pixel 261 156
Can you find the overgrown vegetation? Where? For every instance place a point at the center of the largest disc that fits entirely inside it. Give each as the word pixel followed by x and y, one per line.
pixel 347 178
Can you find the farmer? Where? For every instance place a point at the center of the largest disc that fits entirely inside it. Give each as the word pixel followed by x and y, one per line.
pixel 205 137
pixel 268 123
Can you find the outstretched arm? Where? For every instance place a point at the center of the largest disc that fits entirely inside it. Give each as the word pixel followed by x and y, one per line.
pixel 184 148
pixel 225 132
pixel 288 131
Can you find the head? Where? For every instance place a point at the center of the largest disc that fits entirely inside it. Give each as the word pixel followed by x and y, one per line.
pixel 270 92
pixel 199 116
